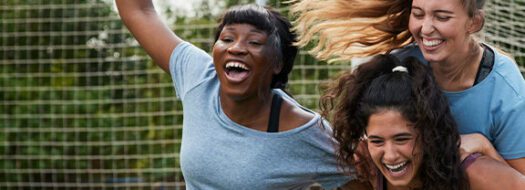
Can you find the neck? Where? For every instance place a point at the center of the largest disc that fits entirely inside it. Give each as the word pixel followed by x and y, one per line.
pixel 413 185
pixel 250 112
pixel 458 73
pixel 391 187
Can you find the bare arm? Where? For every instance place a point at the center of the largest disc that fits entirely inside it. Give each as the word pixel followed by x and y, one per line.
pixel 518 164
pixel 154 36
pixel 486 174
pixel 475 142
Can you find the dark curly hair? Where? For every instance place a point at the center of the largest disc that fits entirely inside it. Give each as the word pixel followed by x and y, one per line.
pixel 354 96
pixel 276 26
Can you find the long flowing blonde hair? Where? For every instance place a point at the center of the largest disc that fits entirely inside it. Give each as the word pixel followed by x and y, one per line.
pixel 339 30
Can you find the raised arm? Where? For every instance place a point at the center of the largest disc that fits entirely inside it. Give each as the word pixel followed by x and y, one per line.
pixel 154 36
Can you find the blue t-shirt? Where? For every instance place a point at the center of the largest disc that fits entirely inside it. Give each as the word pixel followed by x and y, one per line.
pixel 217 153
pixel 495 107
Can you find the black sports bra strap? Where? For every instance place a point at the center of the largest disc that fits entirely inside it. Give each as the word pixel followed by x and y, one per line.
pixel 275 112
pixel 486 64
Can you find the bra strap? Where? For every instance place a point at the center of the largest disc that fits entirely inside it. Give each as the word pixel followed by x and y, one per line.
pixel 275 112
pixel 486 65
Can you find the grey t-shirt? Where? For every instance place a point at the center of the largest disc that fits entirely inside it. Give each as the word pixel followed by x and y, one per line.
pixel 218 153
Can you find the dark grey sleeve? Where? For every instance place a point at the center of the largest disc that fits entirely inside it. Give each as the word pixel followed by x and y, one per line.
pixel 409 50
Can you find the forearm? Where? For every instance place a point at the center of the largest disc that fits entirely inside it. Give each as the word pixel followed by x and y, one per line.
pixel 518 164
pixel 147 27
pixel 475 142
pixel 130 6
pixel 487 174
pixel 136 14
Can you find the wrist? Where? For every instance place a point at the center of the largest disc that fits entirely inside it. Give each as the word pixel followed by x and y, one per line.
pixel 469 159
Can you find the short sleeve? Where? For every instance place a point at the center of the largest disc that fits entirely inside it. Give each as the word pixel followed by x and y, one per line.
pixel 330 175
pixel 510 130
pixel 189 66
pixel 509 109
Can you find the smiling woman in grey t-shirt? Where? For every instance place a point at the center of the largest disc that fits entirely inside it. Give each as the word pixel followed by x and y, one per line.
pixel 241 130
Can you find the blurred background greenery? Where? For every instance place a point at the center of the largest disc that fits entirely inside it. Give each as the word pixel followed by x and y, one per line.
pixel 83 107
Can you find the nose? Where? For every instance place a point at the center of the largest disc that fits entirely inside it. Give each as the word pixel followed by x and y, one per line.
pixel 427 26
pixel 390 154
pixel 237 48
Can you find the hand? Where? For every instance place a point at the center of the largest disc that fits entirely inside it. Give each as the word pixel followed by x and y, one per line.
pixel 475 142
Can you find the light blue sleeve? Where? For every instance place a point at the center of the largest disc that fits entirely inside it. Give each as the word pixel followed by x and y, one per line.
pixel 189 66
pixel 510 134
pixel 510 117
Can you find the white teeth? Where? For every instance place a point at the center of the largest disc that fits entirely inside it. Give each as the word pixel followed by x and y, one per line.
pixel 236 65
pixel 395 167
pixel 431 42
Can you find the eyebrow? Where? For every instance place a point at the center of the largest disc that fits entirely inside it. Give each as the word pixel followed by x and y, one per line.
pixel 395 136
pixel 254 30
pixel 444 11
pixel 436 11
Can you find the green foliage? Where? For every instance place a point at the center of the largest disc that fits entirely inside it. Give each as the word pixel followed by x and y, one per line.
pixel 79 99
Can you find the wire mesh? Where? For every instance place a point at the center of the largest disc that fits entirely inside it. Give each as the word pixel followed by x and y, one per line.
pixel 82 107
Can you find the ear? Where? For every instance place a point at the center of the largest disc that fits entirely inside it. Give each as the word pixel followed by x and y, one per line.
pixel 476 22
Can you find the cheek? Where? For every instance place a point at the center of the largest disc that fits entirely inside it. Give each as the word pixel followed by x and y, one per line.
pixel 413 25
pixel 269 58
pixel 267 54
pixel 452 30
pixel 375 153
pixel 215 46
pixel 216 50
pixel 413 149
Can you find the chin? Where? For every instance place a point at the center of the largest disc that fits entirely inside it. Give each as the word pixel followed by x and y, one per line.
pixel 400 183
pixel 234 94
pixel 431 58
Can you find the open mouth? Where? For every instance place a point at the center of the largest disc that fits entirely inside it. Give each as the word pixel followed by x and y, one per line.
pixel 236 71
pixel 397 168
pixel 431 43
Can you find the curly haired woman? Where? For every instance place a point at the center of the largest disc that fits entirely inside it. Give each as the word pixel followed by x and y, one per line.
pixel 399 113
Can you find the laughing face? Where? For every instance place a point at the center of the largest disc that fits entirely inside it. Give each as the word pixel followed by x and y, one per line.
pixel 393 148
pixel 441 28
pixel 243 61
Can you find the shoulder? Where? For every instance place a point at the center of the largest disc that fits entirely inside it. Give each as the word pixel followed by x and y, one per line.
pixel 501 57
pixel 186 48
pixel 508 73
pixel 187 56
pixel 293 114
